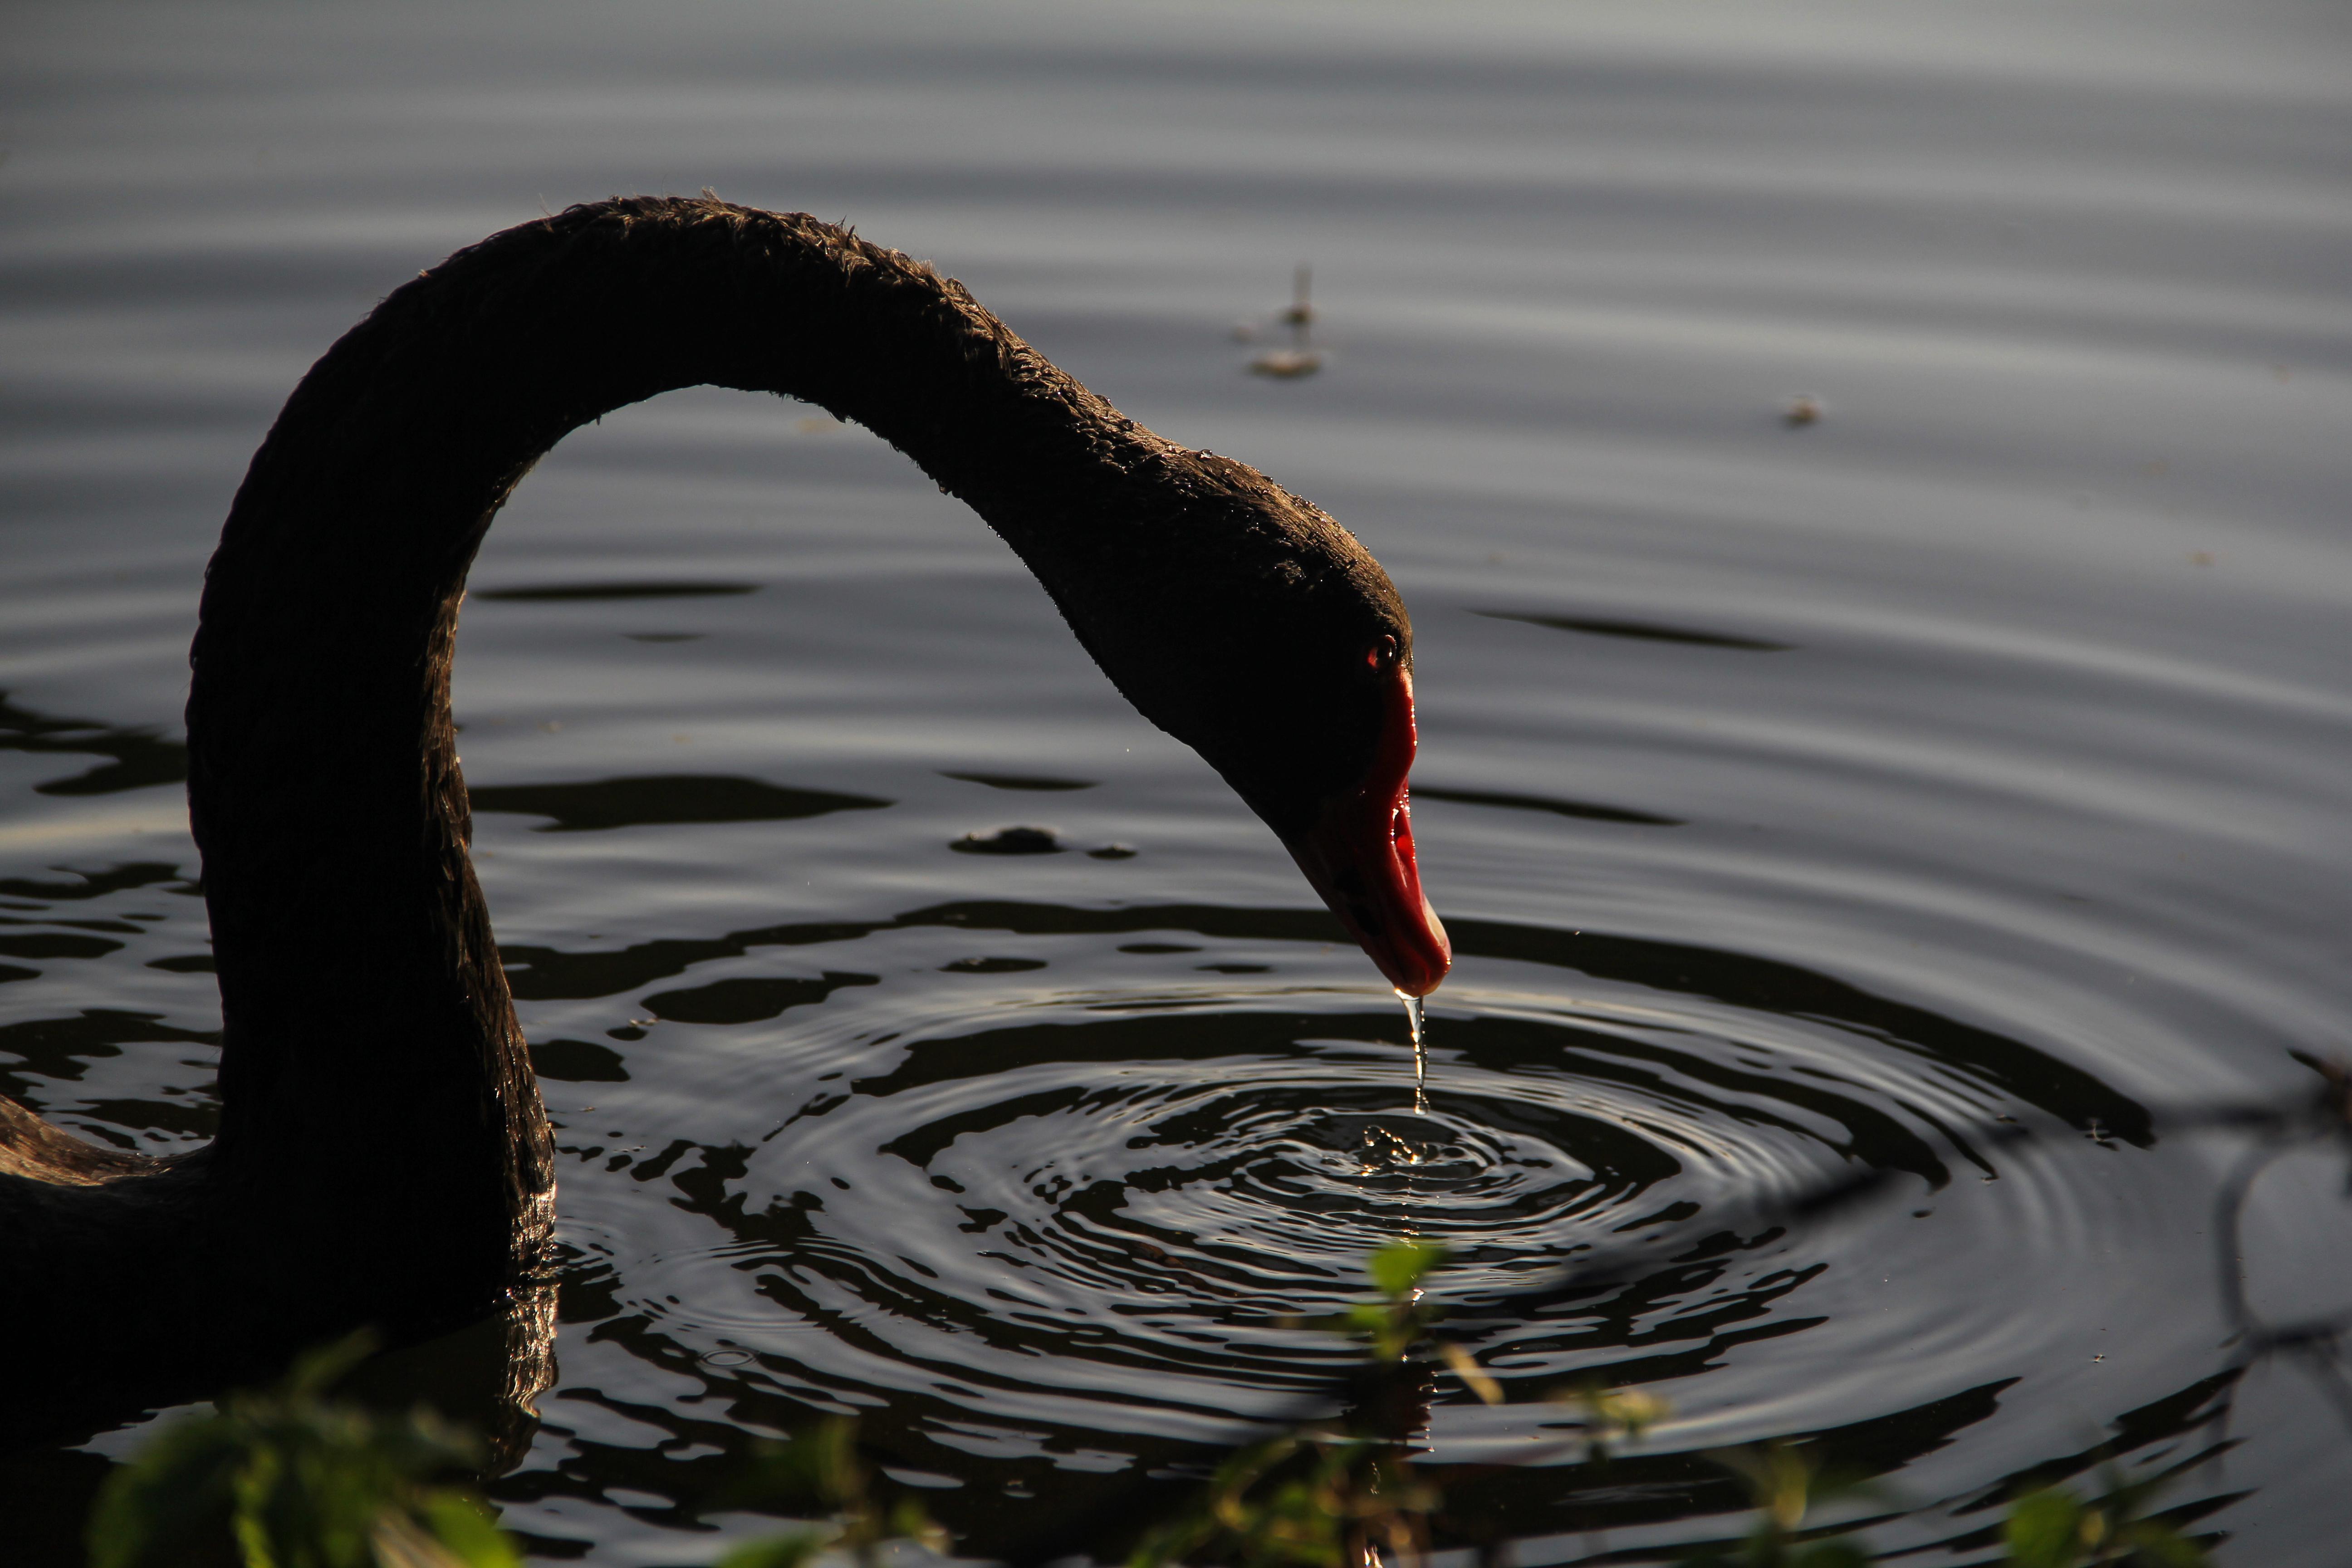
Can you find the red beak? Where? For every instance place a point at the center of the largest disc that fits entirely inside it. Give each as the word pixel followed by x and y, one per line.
pixel 1358 856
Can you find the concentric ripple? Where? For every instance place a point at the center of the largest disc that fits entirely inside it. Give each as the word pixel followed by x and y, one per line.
pixel 1113 1223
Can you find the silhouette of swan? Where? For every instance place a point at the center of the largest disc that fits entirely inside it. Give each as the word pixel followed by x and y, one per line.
pixel 383 1155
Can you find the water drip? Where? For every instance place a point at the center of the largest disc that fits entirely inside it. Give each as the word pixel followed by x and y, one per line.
pixel 1416 1019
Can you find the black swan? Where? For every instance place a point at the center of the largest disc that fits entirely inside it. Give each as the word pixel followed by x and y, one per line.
pixel 383 1156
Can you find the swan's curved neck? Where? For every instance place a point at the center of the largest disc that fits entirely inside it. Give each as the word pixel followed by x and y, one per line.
pixel 371 1050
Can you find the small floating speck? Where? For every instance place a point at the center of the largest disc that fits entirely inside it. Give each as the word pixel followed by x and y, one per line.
pixel 1803 409
pixel 1301 311
pixel 1286 365
pixel 1112 852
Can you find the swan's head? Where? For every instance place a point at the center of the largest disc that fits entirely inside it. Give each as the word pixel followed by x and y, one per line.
pixel 1258 631
pixel 1354 837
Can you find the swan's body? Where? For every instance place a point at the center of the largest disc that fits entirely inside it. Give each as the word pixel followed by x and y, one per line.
pixel 382 1154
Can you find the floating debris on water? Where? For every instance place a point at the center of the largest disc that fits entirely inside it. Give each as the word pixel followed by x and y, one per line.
pixel 1301 312
pixel 1286 364
pixel 1301 357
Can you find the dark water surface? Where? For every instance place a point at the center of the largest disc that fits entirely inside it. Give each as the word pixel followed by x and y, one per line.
pixel 1802 798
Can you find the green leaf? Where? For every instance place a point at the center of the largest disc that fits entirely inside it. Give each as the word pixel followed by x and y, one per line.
pixel 2045 1531
pixel 1400 1266
pixel 816 1467
pixel 911 1521
pixel 176 1490
pixel 776 1552
pixel 460 1525
pixel 285 1479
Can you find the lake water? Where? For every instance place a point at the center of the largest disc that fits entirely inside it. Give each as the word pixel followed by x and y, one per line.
pixel 1951 785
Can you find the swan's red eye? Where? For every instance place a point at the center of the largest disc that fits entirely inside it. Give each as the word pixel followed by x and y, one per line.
pixel 1381 654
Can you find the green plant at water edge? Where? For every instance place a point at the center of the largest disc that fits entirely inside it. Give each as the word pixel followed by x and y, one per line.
pixel 820 1470
pixel 1326 1496
pixel 2047 1529
pixel 1783 1483
pixel 1613 1416
pixel 1398 1321
pixel 2055 1528
pixel 284 1477
pixel 1302 1501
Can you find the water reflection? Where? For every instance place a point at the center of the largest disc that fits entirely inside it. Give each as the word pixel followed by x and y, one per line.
pixel 1803 803
pixel 1068 1252
pixel 606 803
pixel 139 758
pixel 1639 631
